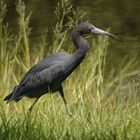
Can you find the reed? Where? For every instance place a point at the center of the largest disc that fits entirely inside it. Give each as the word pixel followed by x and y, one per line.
pixel 106 103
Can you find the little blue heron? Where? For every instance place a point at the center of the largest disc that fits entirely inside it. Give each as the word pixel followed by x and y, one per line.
pixel 49 74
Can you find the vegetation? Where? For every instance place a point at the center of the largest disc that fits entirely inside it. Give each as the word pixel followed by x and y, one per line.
pixel 105 103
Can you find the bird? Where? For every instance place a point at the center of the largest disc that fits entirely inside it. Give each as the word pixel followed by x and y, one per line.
pixel 48 75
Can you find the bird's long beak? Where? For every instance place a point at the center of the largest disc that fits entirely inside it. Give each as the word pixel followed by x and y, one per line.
pixel 101 32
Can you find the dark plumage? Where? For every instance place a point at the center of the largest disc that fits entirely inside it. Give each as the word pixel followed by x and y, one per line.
pixel 48 74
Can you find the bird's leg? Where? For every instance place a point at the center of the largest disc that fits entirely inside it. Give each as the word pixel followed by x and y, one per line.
pixel 63 97
pixel 31 107
pixel 67 107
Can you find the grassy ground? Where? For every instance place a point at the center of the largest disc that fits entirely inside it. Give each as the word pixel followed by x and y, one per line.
pixel 105 103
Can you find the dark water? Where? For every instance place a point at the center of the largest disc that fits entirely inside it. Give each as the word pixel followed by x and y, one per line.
pixel 123 16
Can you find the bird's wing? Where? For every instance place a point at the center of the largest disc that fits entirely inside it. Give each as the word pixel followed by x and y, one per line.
pixel 48 62
pixel 35 84
pixel 45 76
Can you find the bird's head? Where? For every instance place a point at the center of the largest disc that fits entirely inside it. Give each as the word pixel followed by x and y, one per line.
pixel 87 28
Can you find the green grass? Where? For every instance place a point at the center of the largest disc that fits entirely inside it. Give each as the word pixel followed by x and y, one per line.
pixel 105 103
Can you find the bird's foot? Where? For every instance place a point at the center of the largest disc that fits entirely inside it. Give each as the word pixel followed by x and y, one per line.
pixel 70 113
pixel 68 110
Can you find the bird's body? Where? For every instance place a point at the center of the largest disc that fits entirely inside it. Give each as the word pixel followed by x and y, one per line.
pixel 45 76
pixel 49 74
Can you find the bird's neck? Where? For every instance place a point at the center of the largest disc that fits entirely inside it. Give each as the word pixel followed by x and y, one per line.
pixel 80 43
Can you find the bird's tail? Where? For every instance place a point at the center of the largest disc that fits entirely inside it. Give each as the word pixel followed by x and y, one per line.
pixel 12 96
pixel 8 98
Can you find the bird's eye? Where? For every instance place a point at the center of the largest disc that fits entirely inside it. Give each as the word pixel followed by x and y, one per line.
pixel 89 29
